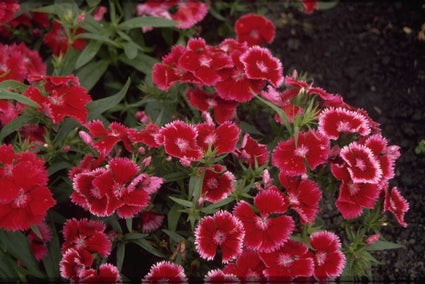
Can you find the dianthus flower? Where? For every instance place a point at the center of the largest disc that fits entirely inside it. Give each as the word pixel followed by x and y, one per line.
pixel 222 230
pixel 165 271
pixel 328 258
pixel 288 262
pixel 268 230
pixel 223 109
pixel 8 8
pixel 396 204
pixel 304 197
pixel 260 64
pixel 282 100
pixel 24 196
pixel 217 183
pixel 334 121
pixel 145 136
pixel 86 235
pixel 119 186
pixel 74 262
pixel 248 267
pixel 290 156
pixel 57 39
pixel 151 221
pixel 310 6
pixel 8 112
pixel 59 97
pixel 104 140
pixel 179 140
pixel 254 29
pixel 218 276
pixel 39 245
pixel 107 273
pixel 252 152
pixel 222 139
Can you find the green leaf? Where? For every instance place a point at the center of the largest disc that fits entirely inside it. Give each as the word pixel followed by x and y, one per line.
pixel 325 5
pixel 61 165
pixel 88 53
pixel 183 202
pixel 130 50
pixel 92 72
pixel 212 208
pixel 120 255
pixel 173 217
pixel 99 38
pixel 146 21
pixel 173 235
pixel 143 243
pixel 134 236
pixel 141 62
pixel 17 246
pixel 15 124
pixel 66 127
pixel 7 267
pixel 279 111
pixel 384 245
pixel 54 256
pixel 8 95
pixel 96 108
pixel 129 224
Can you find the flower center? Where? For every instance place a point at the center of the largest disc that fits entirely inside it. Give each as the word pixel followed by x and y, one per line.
pixel 262 223
pixel 321 258
pixel 22 199
pixel 205 61
pixel 360 164
pixel 219 237
pixel 263 67
pixel 301 151
pixel 182 144
pixel 212 183
pixel 343 126
pixel 286 259
pixel 354 188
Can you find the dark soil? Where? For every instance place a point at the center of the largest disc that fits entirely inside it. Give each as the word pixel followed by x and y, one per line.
pixel 370 53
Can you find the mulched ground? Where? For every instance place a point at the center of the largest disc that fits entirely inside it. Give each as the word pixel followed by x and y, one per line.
pixel 370 53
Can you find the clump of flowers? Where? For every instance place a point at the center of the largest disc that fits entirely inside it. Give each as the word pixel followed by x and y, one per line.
pixel 211 161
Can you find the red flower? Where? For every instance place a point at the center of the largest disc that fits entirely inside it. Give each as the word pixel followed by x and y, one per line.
pixel 248 267
pixel 260 64
pixel 107 273
pixel 310 6
pixel 165 271
pixel 270 229
pixel 8 8
pixel 252 152
pixel 218 276
pixel 12 66
pixel 203 62
pixel 86 235
pixel 8 112
pixel 304 197
pixel 222 139
pixel 74 263
pixel 334 121
pixel 57 39
pixel 289 156
pixel 179 140
pixel 151 221
pixel 396 204
pixel 223 110
pixel 145 136
pixel 221 230
pixel 65 97
pixel 353 197
pixel 39 245
pixel 24 196
pixel 217 183
pixel 32 61
pixel 104 140
pixel 362 164
pixel 254 29
pixel 189 13
pixel 328 258
pixel 282 100
pixel 290 261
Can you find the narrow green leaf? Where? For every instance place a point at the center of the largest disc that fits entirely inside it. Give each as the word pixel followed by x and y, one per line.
pixel 198 186
pixel 134 236
pixel 88 53
pixel 12 84
pixel 8 95
pixel 141 62
pixel 54 256
pixel 384 245
pixel 143 243
pixel 96 108
pixel 280 112
pixel 129 224
pixel 15 124
pixel 325 5
pixel 183 202
pixel 173 235
pixel 17 246
pixel 61 165
pixel 92 72
pixel 120 255
pixel 130 50
pixel 212 208
pixel 7 267
pixel 173 217
pixel 146 21
pixel 66 128
pixel 99 38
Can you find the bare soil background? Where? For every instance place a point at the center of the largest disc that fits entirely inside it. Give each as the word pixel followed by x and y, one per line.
pixel 370 53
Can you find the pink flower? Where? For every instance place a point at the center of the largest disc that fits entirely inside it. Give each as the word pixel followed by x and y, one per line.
pixel 260 64
pixel 254 29
pixel 151 221
pixel 165 271
pixel 99 12
pixel 223 110
pixel 304 197
pixel 39 245
pixel 221 140
pixel 221 230
pixel 65 97
pixel 179 140
pixel 107 273
pixel 328 258
pixel 290 157
pixel 189 13
pixel 362 164
pixel 396 204
pixel 248 267
pixel 268 230
pixel 218 276
pixel 334 121
pixel 252 152
pixel 290 261
pixel 86 235
pixel 217 183
pixel 373 239
pixel 24 196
